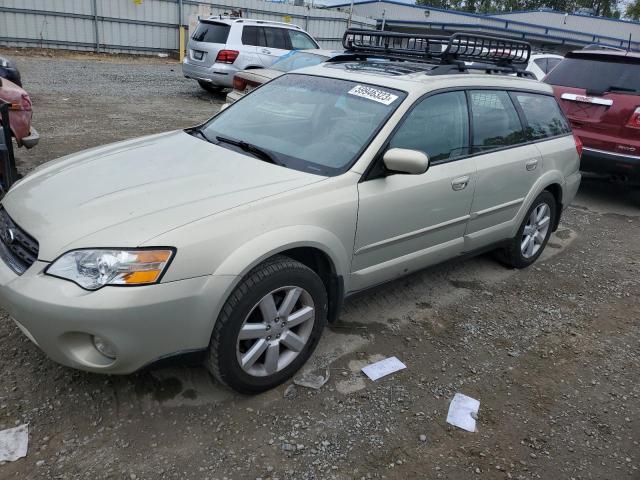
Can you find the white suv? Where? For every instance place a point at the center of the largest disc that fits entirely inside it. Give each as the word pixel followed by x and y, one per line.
pixel 220 47
pixel 240 237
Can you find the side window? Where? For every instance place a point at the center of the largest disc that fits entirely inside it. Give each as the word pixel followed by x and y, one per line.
pixel 543 116
pixel 253 36
pixel 300 41
pixel 276 38
pixel 494 121
pixel 542 63
pixel 250 36
pixel 438 126
pixel 552 62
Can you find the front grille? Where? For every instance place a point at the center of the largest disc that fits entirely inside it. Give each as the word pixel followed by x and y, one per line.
pixel 18 249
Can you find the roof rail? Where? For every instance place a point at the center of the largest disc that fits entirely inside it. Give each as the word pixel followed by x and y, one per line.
pixel 453 49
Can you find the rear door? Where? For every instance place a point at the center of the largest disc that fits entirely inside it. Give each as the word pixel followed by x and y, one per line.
pixel 507 166
pixel 599 93
pixel 273 42
pixel 208 39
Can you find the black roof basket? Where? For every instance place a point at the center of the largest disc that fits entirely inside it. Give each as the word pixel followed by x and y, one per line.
pixel 458 47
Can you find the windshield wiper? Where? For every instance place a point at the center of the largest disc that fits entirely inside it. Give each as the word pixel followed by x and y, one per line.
pixel 249 148
pixel 614 88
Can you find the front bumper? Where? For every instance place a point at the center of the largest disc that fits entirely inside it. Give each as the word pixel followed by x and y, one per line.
pixel 610 163
pixel 144 324
pixel 219 74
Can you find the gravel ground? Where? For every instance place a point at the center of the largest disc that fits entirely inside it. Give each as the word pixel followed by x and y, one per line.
pixel 551 352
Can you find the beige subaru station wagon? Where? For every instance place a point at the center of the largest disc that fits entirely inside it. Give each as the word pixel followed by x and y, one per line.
pixel 241 237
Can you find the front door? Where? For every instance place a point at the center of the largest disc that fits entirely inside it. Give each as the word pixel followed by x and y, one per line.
pixel 407 222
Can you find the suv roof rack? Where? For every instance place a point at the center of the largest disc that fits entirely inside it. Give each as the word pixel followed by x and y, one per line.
pixel 449 53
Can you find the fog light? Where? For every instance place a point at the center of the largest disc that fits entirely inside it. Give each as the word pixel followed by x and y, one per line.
pixel 104 347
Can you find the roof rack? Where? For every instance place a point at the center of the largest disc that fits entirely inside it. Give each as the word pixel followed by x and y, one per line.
pixel 454 49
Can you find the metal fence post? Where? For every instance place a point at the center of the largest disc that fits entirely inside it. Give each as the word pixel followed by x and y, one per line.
pixel 95 25
pixel 181 30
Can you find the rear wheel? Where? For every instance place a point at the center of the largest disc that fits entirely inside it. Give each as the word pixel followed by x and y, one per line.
pixel 209 87
pixel 269 326
pixel 533 234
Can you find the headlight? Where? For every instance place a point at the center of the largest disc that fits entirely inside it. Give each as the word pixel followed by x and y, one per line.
pixel 95 268
pixel 4 62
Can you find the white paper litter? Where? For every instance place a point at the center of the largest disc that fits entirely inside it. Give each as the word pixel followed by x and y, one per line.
pixel 383 367
pixel 312 380
pixel 13 443
pixel 463 411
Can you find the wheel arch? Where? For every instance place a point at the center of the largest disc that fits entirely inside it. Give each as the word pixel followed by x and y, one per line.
pixel 321 251
pixel 555 189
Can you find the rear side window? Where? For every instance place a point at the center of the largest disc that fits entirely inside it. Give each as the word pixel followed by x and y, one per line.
pixel 437 126
pixel 597 75
pixel 495 122
pixel 276 37
pixel 542 64
pixel 543 116
pixel 300 41
pixel 552 63
pixel 211 32
pixel 250 36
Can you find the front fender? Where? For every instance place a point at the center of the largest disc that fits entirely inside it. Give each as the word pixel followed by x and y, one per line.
pixel 251 253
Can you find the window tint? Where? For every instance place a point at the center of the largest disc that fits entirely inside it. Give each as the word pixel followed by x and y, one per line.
pixel 250 36
pixel 438 126
pixel 552 62
pixel 543 116
pixel 300 41
pixel 599 75
pixel 495 121
pixel 276 37
pixel 542 63
pixel 211 32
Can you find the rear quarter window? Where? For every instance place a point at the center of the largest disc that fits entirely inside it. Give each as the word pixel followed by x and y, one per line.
pixel 211 32
pixel 543 116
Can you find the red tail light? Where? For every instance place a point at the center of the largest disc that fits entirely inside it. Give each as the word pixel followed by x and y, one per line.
pixel 227 56
pixel 634 119
pixel 241 84
pixel 578 145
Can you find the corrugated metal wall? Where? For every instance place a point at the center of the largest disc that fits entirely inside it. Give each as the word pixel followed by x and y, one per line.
pixel 145 26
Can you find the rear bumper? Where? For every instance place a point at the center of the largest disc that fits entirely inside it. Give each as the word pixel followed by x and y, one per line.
pixel 32 140
pixel 610 163
pixel 219 74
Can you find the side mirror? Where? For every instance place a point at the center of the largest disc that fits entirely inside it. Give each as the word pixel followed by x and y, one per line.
pixel 402 160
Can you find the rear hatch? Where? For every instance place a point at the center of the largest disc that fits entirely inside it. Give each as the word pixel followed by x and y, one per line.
pixel 209 38
pixel 599 92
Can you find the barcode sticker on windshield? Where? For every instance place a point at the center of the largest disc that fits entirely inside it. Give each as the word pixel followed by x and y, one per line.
pixel 373 94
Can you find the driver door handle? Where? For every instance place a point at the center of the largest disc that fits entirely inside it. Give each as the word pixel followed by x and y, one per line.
pixel 265 50
pixel 460 183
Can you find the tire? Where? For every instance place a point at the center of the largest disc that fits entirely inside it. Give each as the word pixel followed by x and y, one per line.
pixel 520 255
pixel 251 309
pixel 210 87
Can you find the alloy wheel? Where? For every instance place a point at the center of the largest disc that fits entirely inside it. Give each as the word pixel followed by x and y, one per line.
pixel 535 231
pixel 275 331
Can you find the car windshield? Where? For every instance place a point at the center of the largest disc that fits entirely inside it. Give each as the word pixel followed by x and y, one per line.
pixel 295 60
pixel 598 75
pixel 315 124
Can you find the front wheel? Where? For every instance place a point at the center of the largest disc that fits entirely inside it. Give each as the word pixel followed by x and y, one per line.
pixel 533 234
pixel 269 326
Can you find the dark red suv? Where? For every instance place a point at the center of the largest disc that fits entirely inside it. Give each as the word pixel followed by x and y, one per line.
pixel 599 90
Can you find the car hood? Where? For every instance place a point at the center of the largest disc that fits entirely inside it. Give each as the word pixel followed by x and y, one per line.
pixel 122 194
